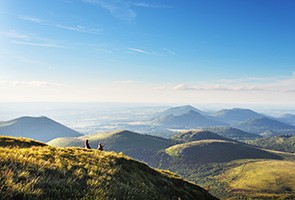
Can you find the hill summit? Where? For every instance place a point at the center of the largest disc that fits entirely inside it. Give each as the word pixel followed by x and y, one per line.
pixel 138 146
pixel 189 120
pixel 39 128
pixel 266 127
pixel 180 110
pixel 75 173
pixel 236 115
pixel 195 135
pixel 215 151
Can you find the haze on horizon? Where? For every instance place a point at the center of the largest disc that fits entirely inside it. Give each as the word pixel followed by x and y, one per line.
pixel 164 51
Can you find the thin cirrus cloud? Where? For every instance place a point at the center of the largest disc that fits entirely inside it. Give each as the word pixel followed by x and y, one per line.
pixel 29 40
pixel 81 29
pixel 270 84
pixel 150 5
pixel 76 28
pixel 36 83
pixel 123 9
pixel 124 82
pixel 37 44
pixel 169 51
pixel 218 87
pixel 30 19
pixel 118 9
pixel 15 35
pixel 137 50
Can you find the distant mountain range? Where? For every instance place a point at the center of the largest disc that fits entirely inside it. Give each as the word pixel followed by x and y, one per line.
pixel 200 155
pixel 189 120
pixel 233 133
pixel 38 128
pixel 236 123
pixel 236 115
pixel 266 127
pixel 288 118
pixel 179 110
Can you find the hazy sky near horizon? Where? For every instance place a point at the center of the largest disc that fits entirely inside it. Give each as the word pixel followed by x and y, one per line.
pixel 156 51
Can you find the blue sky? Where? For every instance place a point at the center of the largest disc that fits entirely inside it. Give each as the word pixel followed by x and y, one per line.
pixel 213 51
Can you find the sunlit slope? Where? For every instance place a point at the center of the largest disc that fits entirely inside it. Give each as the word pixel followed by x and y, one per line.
pixel 279 143
pixel 74 173
pixel 262 178
pixel 6 141
pixel 196 135
pixel 216 151
pixel 138 146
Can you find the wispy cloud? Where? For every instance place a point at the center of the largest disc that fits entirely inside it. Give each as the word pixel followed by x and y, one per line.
pixel 268 84
pixel 124 82
pixel 136 50
pixel 32 61
pixel 164 87
pixel 118 9
pixel 218 88
pixel 30 19
pixel 15 35
pixel 150 5
pixel 29 39
pixel 35 83
pixel 81 29
pixel 123 9
pixel 38 44
pixel 77 28
pixel 169 51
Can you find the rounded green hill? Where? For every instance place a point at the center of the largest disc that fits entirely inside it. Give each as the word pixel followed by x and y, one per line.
pixel 139 146
pixel 195 135
pixel 45 172
pixel 216 151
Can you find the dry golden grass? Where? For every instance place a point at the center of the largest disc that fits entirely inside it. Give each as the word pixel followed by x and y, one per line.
pixel 45 172
pixel 261 177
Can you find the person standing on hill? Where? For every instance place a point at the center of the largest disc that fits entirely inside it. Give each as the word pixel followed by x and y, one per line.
pixel 87 146
pixel 100 147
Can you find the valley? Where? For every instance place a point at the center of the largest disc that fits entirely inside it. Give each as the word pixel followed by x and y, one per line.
pixel 222 159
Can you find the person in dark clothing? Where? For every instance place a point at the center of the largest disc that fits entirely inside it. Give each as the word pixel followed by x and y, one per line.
pixel 87 146
pixel 100 147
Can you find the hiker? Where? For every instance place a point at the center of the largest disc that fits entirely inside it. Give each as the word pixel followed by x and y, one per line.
pixel 100 147
pixel 87 146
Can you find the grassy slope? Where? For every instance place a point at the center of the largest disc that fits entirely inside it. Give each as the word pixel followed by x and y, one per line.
pixel 45 172
pixel 233 133
pixel 262 178
pixel 215 151
pixel 207 168
pixel 219 176
pixel 138 146
pixel 115 139
pixel 279 143
pixel 195 135
pixel 6 141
